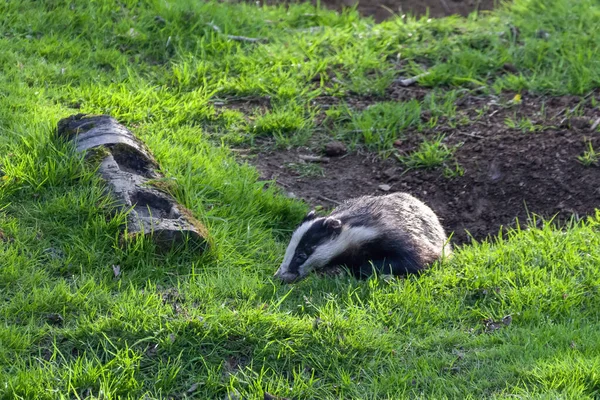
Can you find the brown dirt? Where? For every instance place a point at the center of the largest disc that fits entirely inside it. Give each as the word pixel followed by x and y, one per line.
pixel 383 9
pixel 508 173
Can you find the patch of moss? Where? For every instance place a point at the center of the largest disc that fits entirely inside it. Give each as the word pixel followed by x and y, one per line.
pixel 199 226
pixel 165 185
pixel 95 155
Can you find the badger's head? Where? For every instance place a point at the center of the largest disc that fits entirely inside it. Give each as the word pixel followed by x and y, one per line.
pixel 312 247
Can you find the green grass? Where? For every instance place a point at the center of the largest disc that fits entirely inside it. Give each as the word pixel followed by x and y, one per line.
pixel 178 324
pixel 379 126
pixel 523 124
pixel 304 169
pixel 589 157
pixel 430 154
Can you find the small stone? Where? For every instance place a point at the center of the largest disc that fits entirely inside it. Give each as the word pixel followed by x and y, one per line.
pixel 579 122
pixel 192 388
pixel 385 188
pixel 55 319
pixel 510 68
pixel 317 322
pixel 233 395
pixel 542 34
pixel 389 173
pixel 334 149
pixel 4 238
pixel 152 350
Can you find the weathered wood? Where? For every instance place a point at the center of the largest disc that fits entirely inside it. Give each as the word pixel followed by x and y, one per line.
pixel 131 173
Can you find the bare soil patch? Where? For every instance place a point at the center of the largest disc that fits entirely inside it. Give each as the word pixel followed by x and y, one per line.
pixel 508 172
pixel 384 9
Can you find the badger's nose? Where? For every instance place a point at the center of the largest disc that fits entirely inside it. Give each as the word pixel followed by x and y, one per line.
pixel 285 277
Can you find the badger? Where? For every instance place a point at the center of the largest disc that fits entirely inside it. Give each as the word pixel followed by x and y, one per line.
pixel 394 234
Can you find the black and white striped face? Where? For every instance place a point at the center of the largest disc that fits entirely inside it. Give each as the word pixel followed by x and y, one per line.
pixel 315 243
pixel 301 256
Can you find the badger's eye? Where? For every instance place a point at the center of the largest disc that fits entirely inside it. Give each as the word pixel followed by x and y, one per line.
pixel 301 256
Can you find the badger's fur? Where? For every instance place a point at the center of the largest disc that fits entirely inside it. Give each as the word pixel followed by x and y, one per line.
pixel 393 234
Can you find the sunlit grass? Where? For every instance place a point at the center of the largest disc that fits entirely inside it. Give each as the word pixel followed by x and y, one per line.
pixel 204 326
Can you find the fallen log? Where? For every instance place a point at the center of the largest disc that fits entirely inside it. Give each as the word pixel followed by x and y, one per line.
pixel 132 177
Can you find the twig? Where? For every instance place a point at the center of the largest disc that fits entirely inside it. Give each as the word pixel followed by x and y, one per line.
pixel 595 125
pixel 561 112
pixel 411 81
pixel 564 110
pixel 386 8
pixel 235 37
pixel 312 29
pixel 214 27
pixel 314 159
pixel 470 135
pixel 246 39
pixel 445 6
pixel 321 197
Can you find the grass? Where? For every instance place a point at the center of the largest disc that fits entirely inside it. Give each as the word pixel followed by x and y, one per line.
pixel 304 169
pixel 525 125
pixel 380 125
pixel 589 157
pixel 205 326
pixel 430 154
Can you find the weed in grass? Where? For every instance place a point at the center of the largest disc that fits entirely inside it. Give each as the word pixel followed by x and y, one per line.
pixel 288 124
pixel 306 169
pixel 364 84
pixel 441 103
pixel 455 171
pixel 590 157
pixel 430 154
pixel 338 114
pixel 525 125
pixel 380 125
pixel 511 123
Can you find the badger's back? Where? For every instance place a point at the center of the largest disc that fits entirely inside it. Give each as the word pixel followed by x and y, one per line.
pixel 410 236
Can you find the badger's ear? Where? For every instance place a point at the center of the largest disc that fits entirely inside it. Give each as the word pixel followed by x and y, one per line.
pixel 333 224
pixel 310 216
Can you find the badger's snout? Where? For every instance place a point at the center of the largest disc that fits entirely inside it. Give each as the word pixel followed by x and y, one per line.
pixel 285 276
